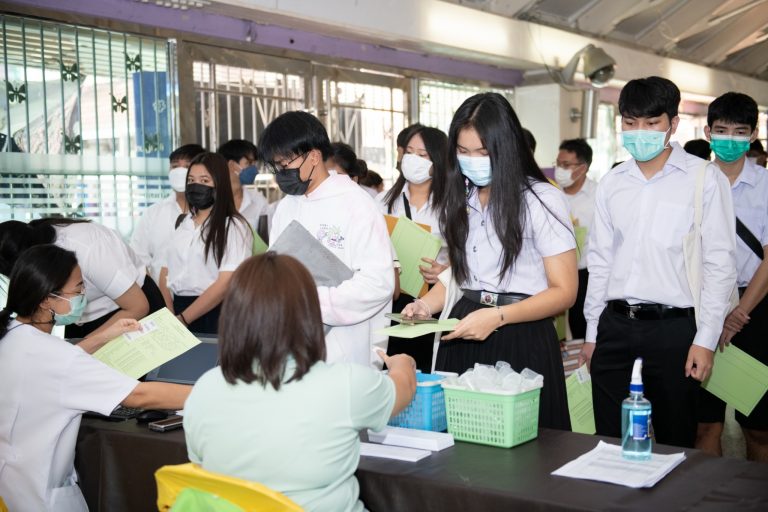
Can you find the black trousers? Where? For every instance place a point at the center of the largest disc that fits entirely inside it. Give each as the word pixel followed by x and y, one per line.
pixel 663 345
pixel 576 320
pixel 151 292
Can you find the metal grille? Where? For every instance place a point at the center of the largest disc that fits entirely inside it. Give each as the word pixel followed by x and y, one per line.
pixel 438 101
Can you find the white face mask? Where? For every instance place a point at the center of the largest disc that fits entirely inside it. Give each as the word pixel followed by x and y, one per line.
pixel 415 168
pixel 178 178
pixel 564 177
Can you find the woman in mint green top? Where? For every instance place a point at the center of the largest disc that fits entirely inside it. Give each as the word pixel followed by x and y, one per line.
pixel 274 412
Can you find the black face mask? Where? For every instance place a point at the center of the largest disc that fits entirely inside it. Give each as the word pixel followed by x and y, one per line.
pixel 289 180
pixel 199 197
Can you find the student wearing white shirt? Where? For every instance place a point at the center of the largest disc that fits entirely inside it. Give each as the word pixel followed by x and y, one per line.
pixel 206 248
pixel 372 183
pixel 639 301
pixel 47 383
pixel 417 195
pixel 158 222
pixel 117 283
pixel 241 158
pixel 731 127
pixel 344 218
pixel 512 252
pixel 571 168
pixel 343 160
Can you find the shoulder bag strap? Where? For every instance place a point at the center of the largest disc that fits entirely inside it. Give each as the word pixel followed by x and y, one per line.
pixel 750 239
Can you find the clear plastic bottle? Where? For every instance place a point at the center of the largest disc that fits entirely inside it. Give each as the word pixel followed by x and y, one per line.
pixel 636 443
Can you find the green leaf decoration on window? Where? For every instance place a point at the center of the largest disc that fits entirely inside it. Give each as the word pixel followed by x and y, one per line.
pixel 119 105
pixel 72 145
pixel 71 73
pixel 16 94
pixel 133 64
pixel 152 143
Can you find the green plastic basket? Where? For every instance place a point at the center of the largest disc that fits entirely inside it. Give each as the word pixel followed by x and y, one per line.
pixel 490 418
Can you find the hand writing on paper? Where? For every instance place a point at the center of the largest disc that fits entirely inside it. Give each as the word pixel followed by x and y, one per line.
pixel 431 272
pixel 477 325
pixel 699 363
pixel 585 356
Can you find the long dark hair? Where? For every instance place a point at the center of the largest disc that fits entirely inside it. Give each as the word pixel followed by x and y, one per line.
pixel 216 227
pixel 17 236
pixel 270 313
pixel 38 272
pixel 513 169
pixel 436 144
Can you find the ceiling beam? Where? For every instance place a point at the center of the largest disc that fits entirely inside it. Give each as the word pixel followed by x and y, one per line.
pixel 751 60
pixel 678 24
pixel 603 17
pixel 714 49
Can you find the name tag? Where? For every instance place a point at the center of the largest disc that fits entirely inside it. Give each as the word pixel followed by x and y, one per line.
pixel 488 298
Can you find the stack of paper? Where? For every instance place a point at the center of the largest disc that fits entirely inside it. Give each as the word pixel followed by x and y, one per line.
pixel 579 389
pixel 412 438
pixel 570 350
pixel 605 464
pixel 413 331
pixel 392 452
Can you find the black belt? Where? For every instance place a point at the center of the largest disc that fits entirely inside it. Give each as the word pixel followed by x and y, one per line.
pixel 648 311
pixel 493 299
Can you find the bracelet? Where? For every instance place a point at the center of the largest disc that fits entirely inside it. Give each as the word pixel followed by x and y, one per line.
pixel 429 310
pixel 181 315
pixel 501 314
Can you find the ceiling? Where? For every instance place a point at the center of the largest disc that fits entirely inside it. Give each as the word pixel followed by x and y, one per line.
pixel 725 34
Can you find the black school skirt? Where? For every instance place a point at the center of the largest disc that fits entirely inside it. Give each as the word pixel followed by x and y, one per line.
pixel 531 345
pixel 206 324
pixel 419 348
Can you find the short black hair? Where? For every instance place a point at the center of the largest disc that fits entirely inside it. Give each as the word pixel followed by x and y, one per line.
pixel 186 152
pixel 371 179
pixel 699 148
pixel 292 134
pixel 345 157
pixel 237 149
pixel 733 107
pixel 405 134
pixel 580 147
pixel 756 145
pixel 649 97
pixel 530 139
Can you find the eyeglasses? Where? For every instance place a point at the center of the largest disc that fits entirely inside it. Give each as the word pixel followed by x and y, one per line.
pixel 275 167
pixel 62 292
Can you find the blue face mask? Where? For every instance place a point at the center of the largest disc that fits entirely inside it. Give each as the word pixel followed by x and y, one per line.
pixel 76 307
pixel 476 168
pixel 644 145
pixel 248 174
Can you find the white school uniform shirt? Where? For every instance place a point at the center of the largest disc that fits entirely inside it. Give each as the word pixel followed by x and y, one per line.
pixel 582 205
pixel 46 385
pixel 548 232
pixel 346 220
pixel 424 215
pixel 750 203
pixel 253 206
pixel 636 245
pixel 152 233
pixel 109 265
pixel 190 273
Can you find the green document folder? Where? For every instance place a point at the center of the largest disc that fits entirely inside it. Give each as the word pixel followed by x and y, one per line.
pixel 581 239
pixel 136 353
pixel 259 245
pixel 738 379
pixel 579 389
pixel 414 331
pixel 411 244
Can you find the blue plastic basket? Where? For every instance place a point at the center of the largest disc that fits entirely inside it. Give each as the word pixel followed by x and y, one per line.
pixel 427 410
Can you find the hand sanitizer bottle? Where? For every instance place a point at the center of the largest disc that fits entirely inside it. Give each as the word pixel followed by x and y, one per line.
pixel 636 419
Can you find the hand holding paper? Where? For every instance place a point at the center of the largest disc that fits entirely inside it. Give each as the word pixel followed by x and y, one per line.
pixel 414 331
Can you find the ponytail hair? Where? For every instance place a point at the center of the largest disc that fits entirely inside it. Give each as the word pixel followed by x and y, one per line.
pixel 38 272
pixel 16 237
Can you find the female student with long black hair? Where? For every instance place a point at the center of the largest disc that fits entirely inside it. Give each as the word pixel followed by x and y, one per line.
pixel 418 194
pixel 512 252
pixel 206 248
pixel 116 283
pixel 47 383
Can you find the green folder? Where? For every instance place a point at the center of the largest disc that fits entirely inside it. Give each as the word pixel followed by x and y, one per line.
pixel 579 389
pixel 259 245
pixel 581 238
pixel 412 243
pixel 414 331
pixel 738 379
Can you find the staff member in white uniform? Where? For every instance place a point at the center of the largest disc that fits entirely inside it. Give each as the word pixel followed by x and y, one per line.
pixel 157 223
pixel 571 168
pixel 241 158
pixel 47 383
pixel 206 248
pixel 417 195
pixel 512 251
pixel 344 218
pixel 117 283
pixel 639 301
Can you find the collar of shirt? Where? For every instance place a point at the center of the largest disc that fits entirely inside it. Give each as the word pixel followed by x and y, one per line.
pixel 407 193
pixel 748 175
pixel 676 161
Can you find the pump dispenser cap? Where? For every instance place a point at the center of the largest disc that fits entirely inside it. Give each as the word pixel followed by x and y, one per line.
pixel 636 385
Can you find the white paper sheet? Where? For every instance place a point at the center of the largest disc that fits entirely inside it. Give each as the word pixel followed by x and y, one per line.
pixel 392 452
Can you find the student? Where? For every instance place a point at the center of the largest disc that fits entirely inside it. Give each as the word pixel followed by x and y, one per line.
pixel 402 141
pixel 158 222
pixel 343 160
pixel 206 248
pixel 731 126
pixel 372 183
pixel 512 252
pixel 639 302
pixel 417 195
pixel 47 383
pixel 241 161
pixel 343 218
pixel 117 285
pixel 699 148
pixel 756 154
pixel 571 168
pixel 275 412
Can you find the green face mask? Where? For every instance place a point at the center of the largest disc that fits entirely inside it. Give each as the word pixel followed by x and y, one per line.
pixel 729 148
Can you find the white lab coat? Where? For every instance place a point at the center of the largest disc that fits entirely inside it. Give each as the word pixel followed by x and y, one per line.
pixel 46 385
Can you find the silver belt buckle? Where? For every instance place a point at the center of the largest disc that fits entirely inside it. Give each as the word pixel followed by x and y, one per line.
pixel 631 312
pixel 488 298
